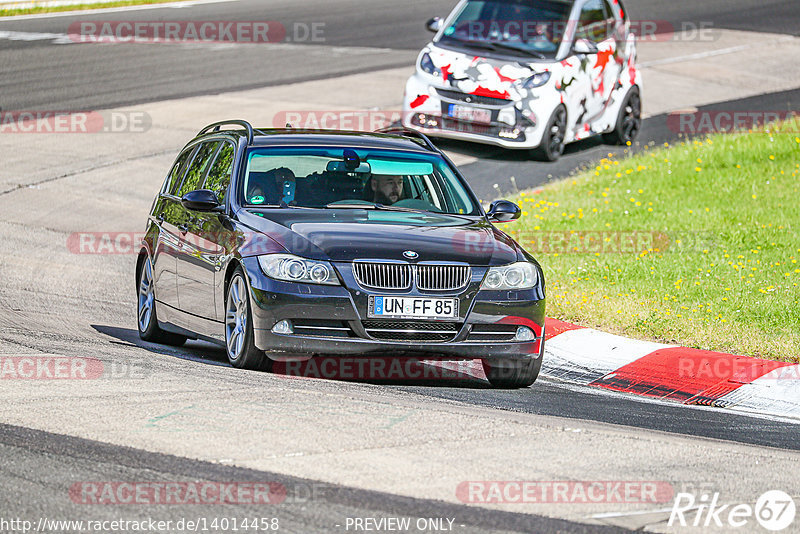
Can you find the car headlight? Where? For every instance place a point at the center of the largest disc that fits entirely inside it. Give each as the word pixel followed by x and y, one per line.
pixel 426 64
pixel 520 275
pixel 537 80
pixel 291 268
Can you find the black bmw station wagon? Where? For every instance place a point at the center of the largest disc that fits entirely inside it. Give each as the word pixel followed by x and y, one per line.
pixel 282 242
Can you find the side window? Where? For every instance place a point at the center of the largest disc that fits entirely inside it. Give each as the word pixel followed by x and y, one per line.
pixel 175 175
pixel 219 177
pixel 593 24
pixel 197 167
pixel 611 20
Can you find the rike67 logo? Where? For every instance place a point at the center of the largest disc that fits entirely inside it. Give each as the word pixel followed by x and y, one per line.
pixel 774 510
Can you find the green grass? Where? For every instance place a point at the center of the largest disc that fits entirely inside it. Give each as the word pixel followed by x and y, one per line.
pixel 714 260
pixel 79 7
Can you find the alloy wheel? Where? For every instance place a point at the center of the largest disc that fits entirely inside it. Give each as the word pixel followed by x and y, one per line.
pixel 146 296
pixel 236 318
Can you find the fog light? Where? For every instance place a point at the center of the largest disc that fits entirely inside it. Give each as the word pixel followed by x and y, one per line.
pixel 283 327
pixel 524 334
pixel 509 134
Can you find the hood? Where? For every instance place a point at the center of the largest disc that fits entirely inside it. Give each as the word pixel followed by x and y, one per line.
pixel 482 76
pixel 347 235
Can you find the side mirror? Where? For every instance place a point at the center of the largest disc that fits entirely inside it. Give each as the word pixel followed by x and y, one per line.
pixel 584 46
pixel 201 200
pixel 434 24
pixel 503 211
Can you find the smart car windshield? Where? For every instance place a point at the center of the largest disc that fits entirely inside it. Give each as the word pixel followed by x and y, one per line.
pixel 524 27
pixel 346 178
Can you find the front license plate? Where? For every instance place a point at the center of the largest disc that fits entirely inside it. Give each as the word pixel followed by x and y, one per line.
pixel 413 307
pixel 470 114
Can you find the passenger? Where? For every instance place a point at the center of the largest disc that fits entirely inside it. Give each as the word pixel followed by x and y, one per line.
pixel 271 187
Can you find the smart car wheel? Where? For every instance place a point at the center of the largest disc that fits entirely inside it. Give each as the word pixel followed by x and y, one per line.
pixel 552 145
pixel 512 374
pixel 629 120
pixel 239 341
pixel 146 310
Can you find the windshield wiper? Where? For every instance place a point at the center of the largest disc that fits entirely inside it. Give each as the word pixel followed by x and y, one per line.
pixel 495 45
pixel 506 46
pixel 371 206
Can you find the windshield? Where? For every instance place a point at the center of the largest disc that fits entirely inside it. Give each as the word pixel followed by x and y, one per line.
pixel 347 178
pixel 524 27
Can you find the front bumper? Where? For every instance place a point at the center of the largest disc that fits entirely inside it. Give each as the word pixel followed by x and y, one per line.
pixel 339 321
pixel 425 108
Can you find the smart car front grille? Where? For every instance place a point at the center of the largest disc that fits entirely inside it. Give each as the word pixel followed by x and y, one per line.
pixel 427 277
pixel 411 331
pixel 383 275
pixel 472 99
pixel 442 277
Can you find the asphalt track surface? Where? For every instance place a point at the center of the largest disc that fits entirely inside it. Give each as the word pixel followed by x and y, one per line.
pixel 41 75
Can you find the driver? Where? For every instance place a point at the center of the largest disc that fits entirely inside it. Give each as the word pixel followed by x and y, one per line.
pixel 387 189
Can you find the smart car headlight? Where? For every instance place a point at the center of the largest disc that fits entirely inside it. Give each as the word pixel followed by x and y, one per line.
pixel 426 64
pixel 519 275
pixel 291 268
pixel 537 80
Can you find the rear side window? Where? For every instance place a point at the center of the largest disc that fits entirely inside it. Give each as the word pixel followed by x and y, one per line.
pixel 176 173
pixel 198 167
pixel 219 177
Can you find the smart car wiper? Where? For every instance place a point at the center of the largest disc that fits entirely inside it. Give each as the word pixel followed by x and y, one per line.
pixel 506 46
pixel 495 45
pixel 476 44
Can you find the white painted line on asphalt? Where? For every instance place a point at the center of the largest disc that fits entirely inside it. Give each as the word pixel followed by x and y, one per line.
pixel 712 53
pixel 173 5
pixel 626 514
pixel 56 38
pixel 65 39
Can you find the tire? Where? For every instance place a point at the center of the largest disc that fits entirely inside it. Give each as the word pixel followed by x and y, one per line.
pixel 512 374
pixel 552 145
pixel 146 320
pixel 629 120
pixel 239 339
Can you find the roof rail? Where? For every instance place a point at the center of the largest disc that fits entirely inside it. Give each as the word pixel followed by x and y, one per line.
pixel 246 125
pixel 408 132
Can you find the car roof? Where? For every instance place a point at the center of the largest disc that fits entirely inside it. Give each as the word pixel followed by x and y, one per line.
pixel 269 137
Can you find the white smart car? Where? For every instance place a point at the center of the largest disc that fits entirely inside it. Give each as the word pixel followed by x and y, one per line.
pixel 532 74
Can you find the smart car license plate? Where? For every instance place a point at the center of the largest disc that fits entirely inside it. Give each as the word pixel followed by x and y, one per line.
pixel 467 113
pixel 413 307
